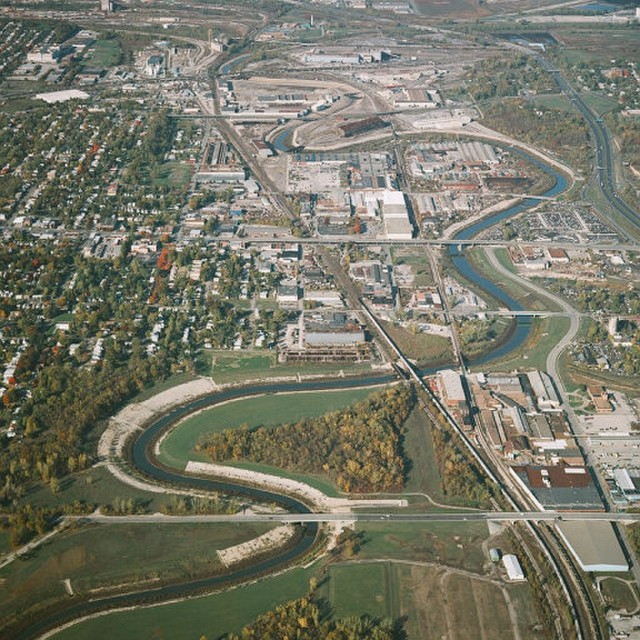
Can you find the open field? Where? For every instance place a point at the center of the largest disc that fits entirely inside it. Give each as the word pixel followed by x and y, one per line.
pixel 618 594
pixel 95 486
pixel 211 616
pixel 423 475
pixel 226 366
pixel 106 53
pixel 426 350
pixel 455 544
pixel 358 588
pixel 484 614
pixel 419 262
pixel 433 602
pixel 119 555
pixel 179 446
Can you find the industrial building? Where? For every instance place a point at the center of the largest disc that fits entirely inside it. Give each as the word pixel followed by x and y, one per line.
pixel 452 389
pixel 395 216
pixel 544 391
pixel 594 545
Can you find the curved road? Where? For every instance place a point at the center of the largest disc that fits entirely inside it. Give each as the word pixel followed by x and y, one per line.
pixel 567 309
pixel 604 158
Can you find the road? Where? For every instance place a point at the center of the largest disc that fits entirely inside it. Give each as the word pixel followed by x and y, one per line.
pixel 567 310
pixel 448 516
pixel 604 158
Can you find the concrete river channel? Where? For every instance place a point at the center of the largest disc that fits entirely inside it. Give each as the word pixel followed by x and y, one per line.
pixel 143 459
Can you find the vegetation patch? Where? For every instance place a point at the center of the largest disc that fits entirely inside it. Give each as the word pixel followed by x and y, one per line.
pixel 107 557
pixel 619 594
pixel 302 619
pixel 456 544
pixel 267 411
pixel 360 448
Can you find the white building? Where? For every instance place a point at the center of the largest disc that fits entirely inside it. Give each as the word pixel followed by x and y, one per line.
pixel 512 565
pixel 395 216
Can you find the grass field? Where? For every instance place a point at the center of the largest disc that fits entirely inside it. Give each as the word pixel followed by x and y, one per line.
pixel 210 616
pixel 417 259
pixel 618 594
pixel 455 544
pixel 178 447
pixel 106 53
pixel 423 476
pixel 173 174
pixel 355 589
pixel 99 556
pixel 425 349
pixel 484 614
pixel 228 366
pixel 554 101
pixel 533 354
pixel 95 486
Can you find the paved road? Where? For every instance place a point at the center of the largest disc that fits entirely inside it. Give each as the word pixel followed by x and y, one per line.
pixel 448 516
pixel 567 310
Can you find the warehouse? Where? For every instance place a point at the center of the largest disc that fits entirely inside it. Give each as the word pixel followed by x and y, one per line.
pixel 594 545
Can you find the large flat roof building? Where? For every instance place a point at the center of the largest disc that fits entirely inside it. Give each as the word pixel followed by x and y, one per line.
pixel 594 545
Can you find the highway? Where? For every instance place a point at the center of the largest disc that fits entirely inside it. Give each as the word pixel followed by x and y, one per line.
pixel 604 160
pixel 302 518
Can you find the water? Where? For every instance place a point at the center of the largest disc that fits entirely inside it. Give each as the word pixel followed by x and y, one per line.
pixel 523 324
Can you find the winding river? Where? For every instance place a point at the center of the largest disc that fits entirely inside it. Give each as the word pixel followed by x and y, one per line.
pixel 142 450
pixel 465 268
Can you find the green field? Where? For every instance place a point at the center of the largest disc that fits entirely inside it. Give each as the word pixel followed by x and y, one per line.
pixel 554 101
pixel 95 486
pixel 211 616
pixel 355 589
pixel 229 366
pixel 419 262
pixel 173 174
pixel 423 476
pixel 105 53
pixel 456 544
pixel 118 555
pixel 270 410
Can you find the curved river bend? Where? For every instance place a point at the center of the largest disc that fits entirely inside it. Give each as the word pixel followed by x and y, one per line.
pixel 142 457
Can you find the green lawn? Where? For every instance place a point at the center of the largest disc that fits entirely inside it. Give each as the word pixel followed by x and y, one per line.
pixel 99 556
pixel 228 366
pixel 173 174
pixel 210 616
pixel 599 104
pixel 554 101
pixel 270 410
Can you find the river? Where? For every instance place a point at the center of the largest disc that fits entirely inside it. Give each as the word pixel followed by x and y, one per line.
pixel 144 461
